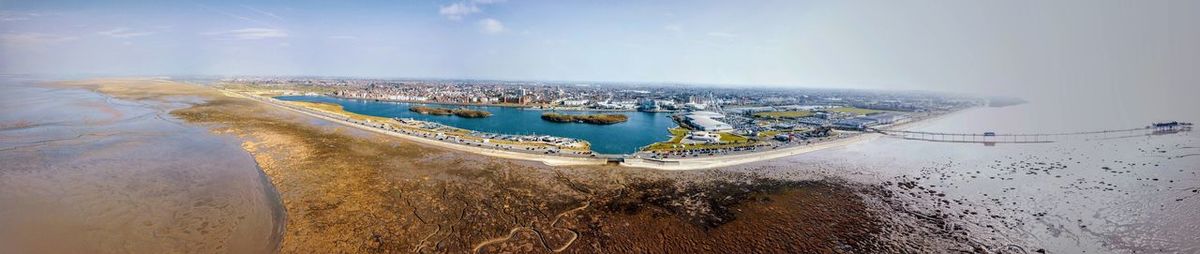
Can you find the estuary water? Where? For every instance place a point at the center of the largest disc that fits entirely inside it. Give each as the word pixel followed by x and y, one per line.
pixel 622 138
pixel 81 172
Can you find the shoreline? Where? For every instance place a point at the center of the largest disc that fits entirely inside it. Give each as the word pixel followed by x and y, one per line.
pixel 550 160
pixel 434 102
pixel 519 106
pixel 744 158
pixel 627 160
pixel 739 159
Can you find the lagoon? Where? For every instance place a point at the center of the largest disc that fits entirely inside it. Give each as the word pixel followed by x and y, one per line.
pixel 623 138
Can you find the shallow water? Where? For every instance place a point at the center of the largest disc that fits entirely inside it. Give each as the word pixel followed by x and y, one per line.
pixel 1120 194
pixel 84 173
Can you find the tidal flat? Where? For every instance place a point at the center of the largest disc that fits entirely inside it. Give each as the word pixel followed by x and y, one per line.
pixel 82 172
pixel 346 190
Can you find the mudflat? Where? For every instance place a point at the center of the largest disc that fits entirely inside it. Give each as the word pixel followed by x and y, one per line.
pixel 85 173
pixel 347 190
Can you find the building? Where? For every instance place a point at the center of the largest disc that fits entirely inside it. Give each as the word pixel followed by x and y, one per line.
pixel 703 137
pixel 574 103
pixel 813 121
pixel 695 106
pixel 857 123
pixel 888 118
pixel 708 114
pixel 752 110
pixel 655 105
pixel 706 121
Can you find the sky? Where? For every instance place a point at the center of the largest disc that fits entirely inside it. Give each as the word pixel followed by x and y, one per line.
pixel 1012 47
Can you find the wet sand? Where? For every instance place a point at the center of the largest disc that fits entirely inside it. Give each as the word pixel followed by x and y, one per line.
pixel 85 173
pixel 1115 195
pixel 347 190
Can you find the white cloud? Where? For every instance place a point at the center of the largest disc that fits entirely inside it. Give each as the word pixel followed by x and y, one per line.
pixel 7 16
pixel 457 11
pixel 264 13
pixel 250 34
pixel 232 15
pixel 33 38
pixel 122 32
pixel 491 26
pixel 721 34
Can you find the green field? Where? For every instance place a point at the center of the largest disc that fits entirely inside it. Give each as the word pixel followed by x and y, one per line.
pixel 732 138
pixel 678 133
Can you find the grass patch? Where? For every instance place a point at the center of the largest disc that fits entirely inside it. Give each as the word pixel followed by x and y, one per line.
pixel 468 113
pixel 679 133
pixel 732 138
pixel 591 119
pixel 337 109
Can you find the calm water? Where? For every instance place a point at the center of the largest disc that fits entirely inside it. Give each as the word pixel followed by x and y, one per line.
pixel 642 128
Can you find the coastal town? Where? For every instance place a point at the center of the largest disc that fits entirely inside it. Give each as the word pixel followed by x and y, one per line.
pixel 709 122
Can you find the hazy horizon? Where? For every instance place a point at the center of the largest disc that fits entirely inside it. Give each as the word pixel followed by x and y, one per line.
pixel 1030 49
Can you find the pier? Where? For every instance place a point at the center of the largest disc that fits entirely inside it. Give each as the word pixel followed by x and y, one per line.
pixel 990 138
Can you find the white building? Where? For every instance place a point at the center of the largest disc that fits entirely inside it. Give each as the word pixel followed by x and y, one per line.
pixel 695 106
pixel 703 137
pixel 704 120
pixel 574 103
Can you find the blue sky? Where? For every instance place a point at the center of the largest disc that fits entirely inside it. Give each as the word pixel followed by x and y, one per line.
pixel 1000 47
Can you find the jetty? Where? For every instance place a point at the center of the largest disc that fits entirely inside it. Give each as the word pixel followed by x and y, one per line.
pixel 990 137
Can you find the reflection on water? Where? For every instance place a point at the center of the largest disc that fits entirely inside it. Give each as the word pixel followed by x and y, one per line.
pixel 83 173
pixel 1123 194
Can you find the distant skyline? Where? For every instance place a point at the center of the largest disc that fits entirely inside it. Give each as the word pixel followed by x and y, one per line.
pixel 1106 48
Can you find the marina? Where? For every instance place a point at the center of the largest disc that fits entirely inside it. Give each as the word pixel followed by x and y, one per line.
pixel 641 128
